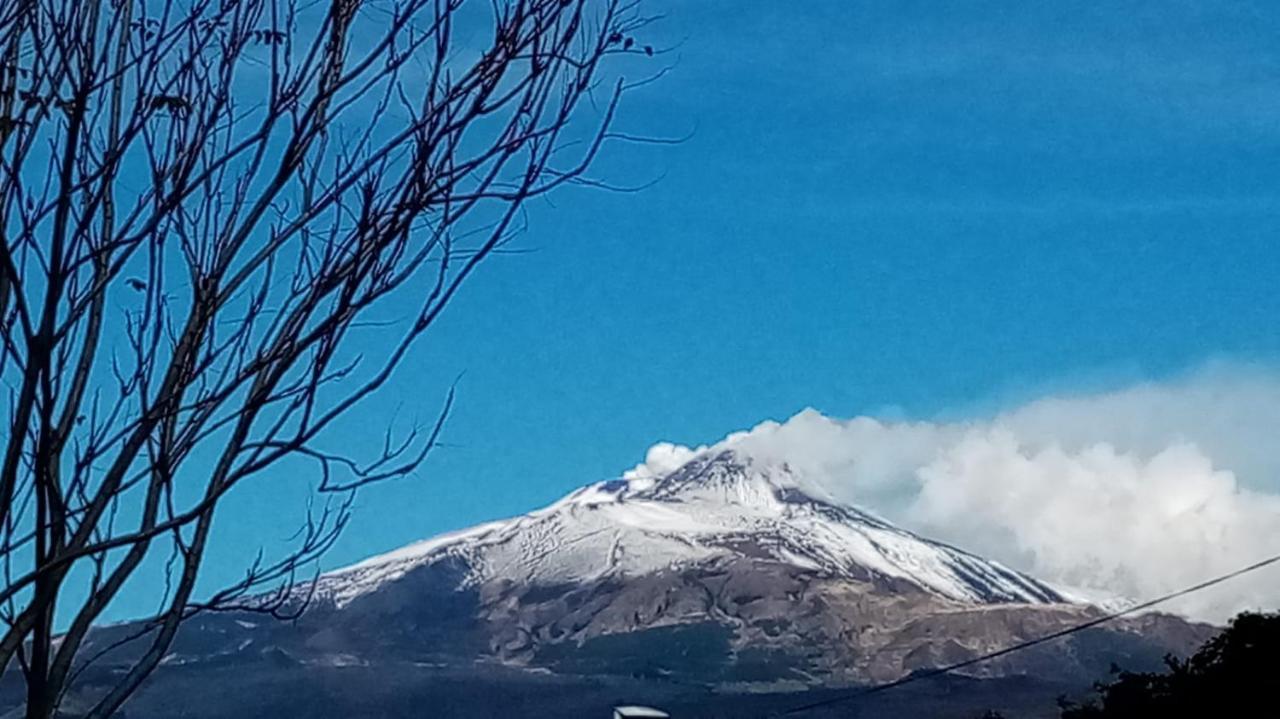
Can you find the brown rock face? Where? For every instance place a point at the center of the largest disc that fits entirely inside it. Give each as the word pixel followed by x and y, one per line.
pixel 782 622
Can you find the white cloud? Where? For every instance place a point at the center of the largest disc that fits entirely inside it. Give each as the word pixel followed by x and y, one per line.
pixel 1135 492
pixel 661 459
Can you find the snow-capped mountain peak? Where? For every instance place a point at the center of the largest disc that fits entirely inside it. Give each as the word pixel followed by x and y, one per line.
pixel 717 506
pixel 721 571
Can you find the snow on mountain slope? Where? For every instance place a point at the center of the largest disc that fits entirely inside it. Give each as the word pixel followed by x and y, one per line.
pixel 716 505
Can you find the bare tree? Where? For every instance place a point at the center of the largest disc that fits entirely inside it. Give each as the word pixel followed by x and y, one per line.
pixel 202 202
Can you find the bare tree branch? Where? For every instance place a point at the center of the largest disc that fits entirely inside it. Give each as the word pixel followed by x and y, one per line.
pixel 203 204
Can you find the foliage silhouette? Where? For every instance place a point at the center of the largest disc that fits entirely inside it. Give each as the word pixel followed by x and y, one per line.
pixel 1234 674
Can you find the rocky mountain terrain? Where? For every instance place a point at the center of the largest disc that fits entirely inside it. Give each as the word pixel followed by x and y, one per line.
pixel 724 579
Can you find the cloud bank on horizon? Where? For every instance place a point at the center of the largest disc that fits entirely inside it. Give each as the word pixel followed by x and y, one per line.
pixel 1134 492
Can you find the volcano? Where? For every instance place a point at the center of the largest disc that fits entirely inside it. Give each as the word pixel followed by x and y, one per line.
pixel 727 577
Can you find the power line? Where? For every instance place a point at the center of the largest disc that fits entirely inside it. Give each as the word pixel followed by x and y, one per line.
pixel 939 671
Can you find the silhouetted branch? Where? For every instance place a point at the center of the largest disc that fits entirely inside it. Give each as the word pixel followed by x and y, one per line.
pixel 200 200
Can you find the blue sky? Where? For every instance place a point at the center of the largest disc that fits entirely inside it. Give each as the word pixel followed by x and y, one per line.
pixel 897 209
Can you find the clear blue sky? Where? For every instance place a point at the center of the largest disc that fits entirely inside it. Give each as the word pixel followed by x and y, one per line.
pixel 885 207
